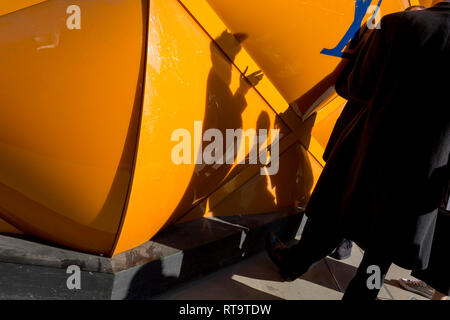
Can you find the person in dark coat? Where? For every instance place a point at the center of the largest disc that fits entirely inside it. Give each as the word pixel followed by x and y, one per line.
pixel 344 249
pixel 349 113
pixel 437 274
pixel 386 195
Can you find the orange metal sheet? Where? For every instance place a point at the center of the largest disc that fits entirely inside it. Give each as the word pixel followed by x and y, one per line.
pixel 68 118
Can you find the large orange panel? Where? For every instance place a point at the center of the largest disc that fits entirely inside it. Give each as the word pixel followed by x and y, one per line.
pixel 286 37
pixel 69 104
pixel 191 86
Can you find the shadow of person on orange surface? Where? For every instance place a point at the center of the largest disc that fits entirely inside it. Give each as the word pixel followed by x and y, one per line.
pixel 223 111
pixel 286 189
pixel 294 181
pixel 284 183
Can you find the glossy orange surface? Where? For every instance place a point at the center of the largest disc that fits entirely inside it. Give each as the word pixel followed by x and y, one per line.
pixel 209 90
pixel 70 101
pixel 285 40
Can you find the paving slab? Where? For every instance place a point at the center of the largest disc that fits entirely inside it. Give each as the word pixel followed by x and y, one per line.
pixel 345 270
pixel 395 273
pixel 257 278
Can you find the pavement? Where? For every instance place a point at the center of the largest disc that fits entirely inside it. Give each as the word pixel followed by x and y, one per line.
pixel 34 270
pixel 257 278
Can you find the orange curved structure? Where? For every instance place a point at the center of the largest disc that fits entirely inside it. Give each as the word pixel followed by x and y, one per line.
pixel 93 94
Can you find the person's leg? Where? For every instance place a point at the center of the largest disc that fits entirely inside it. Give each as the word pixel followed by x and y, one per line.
pixel 359 288
pixel 317 241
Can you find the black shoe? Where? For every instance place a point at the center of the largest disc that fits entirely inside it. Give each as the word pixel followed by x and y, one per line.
pixel 275 249
pixel 343 251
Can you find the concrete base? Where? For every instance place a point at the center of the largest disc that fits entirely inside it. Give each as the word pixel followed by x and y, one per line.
pixel 30 270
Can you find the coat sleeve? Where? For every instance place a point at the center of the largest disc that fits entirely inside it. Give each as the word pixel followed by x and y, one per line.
pixel 359 80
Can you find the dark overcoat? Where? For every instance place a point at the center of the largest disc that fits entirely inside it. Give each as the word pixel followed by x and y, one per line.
pixel 388 165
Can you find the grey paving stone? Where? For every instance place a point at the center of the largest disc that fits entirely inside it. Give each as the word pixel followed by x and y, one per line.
pixel 344 271
pixel 257 278
pixel 395 273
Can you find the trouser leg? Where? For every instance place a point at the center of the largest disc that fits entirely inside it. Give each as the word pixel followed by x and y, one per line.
pixel 362 285
pixel 318 240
